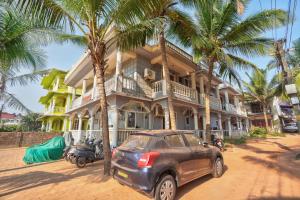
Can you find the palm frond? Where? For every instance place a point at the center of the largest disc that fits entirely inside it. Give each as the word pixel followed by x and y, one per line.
pixel 12 101
pixel 24 79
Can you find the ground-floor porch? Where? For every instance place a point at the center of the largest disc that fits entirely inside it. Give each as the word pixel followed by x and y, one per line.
pixel 55 123
pixel 127 115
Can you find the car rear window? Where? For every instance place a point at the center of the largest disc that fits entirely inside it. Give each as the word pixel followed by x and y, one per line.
pixel 136 142
pixel 192 139
pixel 175 141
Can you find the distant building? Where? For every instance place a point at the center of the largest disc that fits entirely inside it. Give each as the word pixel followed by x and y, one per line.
pixel 56 102
pixel 256 114
pixel 280 115
pixel 7 119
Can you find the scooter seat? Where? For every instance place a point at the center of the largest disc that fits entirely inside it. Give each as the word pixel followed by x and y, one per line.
pixel 84 148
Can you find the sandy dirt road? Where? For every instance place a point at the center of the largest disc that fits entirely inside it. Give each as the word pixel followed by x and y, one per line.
pixel 261 169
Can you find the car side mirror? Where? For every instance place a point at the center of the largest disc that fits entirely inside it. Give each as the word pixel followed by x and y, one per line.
pixel 205 144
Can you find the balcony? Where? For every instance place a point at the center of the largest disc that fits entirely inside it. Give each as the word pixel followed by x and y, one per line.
pixel 159 89
pixel 215 103
pixel 230 108
pixel 55 110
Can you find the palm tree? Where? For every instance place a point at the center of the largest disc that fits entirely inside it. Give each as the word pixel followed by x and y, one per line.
pixel 19 49
pixel 171 14
pixel 30 122
pixel 261 90
pixel 222 36
pixel 103 24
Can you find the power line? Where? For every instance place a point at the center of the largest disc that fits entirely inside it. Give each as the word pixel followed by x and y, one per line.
pixel 293 19
pixel 260 5
pixel 273 23
pixel 275 17
pixel 288 22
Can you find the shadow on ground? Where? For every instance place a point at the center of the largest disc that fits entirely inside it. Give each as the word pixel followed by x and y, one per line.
pixel 190 186
pixel 15 183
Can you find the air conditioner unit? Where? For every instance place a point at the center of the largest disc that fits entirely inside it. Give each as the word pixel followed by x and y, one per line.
pixel 149 74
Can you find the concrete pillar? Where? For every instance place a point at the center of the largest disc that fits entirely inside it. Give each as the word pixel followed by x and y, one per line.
pixel 247 125
pixel 53 104
pixel 151 121
pixel 226 96
pixel 193 77
pixel 94 87
pixel 204 127
pixel 79 122
pixel 196 125
pixel 65 125
pixel 114 134
pixel 91 124
pixel 43 126
pixel 118 79
pixel 167 118
pixel 68 100
pixel 70 123
pixel 229 126
pixel 220 122
pixel 83 89
pixel 50 125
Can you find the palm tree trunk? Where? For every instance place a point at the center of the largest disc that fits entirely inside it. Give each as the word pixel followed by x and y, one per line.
pixel 166 75
pixel 266 118
pixel 98 50
pixel 207 101
pixel 2 88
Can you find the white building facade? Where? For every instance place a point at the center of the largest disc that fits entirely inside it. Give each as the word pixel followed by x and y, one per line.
pixel 137 100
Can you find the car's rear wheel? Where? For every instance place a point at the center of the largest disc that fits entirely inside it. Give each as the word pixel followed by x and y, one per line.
pixel 218 168
pixel 165 188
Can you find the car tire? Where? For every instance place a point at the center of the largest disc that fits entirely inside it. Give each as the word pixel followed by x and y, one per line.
pixel 218 168
pixel 166 188
pixel 80 162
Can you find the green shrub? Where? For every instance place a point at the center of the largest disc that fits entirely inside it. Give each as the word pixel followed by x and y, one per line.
pixel 9 128
pixel 276 134
pixel 257 132
pixel 241 140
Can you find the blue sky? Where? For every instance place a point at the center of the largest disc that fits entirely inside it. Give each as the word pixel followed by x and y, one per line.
pixel 64 56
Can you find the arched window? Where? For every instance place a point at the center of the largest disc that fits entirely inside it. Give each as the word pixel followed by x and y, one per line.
pixel 134 115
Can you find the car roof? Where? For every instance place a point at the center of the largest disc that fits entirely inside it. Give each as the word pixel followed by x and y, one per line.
pixel 161 132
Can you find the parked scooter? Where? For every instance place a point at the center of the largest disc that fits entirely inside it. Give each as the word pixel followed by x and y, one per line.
pixel 81 155
pixel 69 141
pixel 218 142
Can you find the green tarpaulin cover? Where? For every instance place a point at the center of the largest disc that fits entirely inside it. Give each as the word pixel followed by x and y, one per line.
pixel 48 151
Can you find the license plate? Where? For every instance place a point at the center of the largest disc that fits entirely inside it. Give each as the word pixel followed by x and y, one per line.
pixel 124 175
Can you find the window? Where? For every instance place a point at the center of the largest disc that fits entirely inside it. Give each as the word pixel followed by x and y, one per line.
pixel 174 141
pixel 131 120
pixel 192 139
pixel 187 121
pixel 134 115
pixel 136 142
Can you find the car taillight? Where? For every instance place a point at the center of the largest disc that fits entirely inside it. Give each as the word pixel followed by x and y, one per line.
pixel 114 151
pixel 147 159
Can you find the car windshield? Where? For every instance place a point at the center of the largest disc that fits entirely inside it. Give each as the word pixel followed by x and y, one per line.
pixel 136 142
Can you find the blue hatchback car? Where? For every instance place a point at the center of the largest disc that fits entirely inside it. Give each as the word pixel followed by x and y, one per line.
pixel 157 162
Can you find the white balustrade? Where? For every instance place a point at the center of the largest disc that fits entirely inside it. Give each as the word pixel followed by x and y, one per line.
pixel 182 91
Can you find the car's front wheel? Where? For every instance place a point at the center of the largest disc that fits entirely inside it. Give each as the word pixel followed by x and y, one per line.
pixel 218 168
pixel 165 188
pixel 80 162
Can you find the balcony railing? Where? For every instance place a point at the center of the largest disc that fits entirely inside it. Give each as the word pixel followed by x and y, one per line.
pixel 215 103
pixel 179 91
pixel 231 108
pixel 58 109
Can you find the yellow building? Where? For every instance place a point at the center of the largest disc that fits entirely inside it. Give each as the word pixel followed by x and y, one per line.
pixel 57 101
